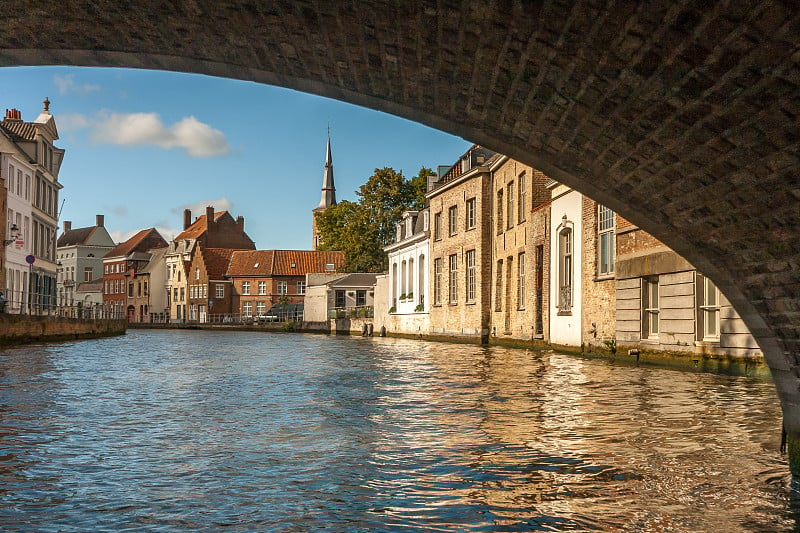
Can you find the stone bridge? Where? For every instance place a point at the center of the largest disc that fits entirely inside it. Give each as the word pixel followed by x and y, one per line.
pixel 682 116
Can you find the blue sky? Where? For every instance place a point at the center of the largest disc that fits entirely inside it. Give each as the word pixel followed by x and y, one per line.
pixel 143 145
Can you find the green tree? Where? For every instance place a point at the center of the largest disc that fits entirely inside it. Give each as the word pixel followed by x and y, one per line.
pixel 361 229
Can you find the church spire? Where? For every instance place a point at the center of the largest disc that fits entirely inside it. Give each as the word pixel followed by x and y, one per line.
pixel 328 188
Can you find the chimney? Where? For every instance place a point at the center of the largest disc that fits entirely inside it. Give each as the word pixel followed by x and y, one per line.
pixel 13 114
pixel 67 225
pixel 240 223
pixel 99 220
pixel 209 217
pixel 187 218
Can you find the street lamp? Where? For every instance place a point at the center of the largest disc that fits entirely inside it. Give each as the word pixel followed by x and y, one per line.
pixel 14 230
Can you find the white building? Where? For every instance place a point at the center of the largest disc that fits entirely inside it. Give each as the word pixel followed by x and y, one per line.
pixel 29 152
pixel 80 254
pixel 566 229
pixel 407 287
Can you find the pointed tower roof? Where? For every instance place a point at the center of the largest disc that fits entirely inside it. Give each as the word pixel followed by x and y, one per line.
pixel 328 188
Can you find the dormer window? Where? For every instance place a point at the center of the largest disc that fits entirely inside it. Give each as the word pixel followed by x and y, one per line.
pixel 256 265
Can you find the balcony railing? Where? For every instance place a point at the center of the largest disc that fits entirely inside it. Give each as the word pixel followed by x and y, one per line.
pixel 366 311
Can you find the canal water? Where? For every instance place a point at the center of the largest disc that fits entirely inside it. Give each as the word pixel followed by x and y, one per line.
pixel 248 431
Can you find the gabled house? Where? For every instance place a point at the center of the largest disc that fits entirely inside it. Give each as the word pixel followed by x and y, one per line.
pixel 34 162
pixel 80 254
pixel 210 294
pixel 263 277
pixel 211 230
pixel 119 268
pixel 148 299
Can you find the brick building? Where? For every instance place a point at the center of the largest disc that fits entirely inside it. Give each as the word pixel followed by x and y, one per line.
pixel 119 269
pixel 261 277
pixel 209 293
pixel 211 230
pixel 520 254
pixel 461 246
pixel 147 296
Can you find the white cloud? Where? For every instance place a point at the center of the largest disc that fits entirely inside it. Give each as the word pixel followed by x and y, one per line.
pixel 199 208
pixel 66 84
pixel 132 129
pixel 72 122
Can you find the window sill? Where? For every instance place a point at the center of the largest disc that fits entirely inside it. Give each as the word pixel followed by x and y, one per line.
pixel 472 228
pixel 564 313
pixel 650 340
pixel 710 342
pixel 604 277
pixel 470 302
pixel 453 304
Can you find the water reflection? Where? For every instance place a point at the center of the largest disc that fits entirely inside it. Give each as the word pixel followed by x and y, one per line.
pixel 172 431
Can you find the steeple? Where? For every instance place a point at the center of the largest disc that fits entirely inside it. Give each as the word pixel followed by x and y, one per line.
pixel 328 188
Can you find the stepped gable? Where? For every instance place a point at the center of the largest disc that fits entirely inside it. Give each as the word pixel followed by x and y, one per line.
pixel 198 227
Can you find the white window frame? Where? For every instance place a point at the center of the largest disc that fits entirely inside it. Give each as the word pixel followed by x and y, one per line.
pixel 246 288
pixel 247 308
pixel 301 287
pixel 566 265
pixel 470 259
pixel 437 281
pixel 709 306
pixel 220 290
pixel 283 287
pixel 606 229
pixel 472 208
pixel 452 220
pixel 650 308
pixel 262 288
pixel 453 279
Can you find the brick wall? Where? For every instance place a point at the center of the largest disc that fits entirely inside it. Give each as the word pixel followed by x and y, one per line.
pixel 462 317
pixel 598 321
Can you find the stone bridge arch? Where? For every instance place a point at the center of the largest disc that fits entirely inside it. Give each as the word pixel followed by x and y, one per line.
pixel 681 116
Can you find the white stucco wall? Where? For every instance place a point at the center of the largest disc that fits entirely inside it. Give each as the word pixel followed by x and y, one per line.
pixel 566 328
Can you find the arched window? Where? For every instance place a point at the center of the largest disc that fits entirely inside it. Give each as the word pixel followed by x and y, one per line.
pixel 421 281
pixel 411 277
pixel 565 266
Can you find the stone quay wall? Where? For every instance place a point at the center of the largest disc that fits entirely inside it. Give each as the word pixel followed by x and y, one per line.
pixel 23 329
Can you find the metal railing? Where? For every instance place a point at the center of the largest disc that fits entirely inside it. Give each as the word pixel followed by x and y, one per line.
pixel 366 311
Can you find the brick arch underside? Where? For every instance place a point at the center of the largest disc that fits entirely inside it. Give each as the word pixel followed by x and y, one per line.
pixel 681 117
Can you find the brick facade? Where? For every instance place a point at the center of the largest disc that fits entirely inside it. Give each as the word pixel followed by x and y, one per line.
pixel 460 297
pixel 598 321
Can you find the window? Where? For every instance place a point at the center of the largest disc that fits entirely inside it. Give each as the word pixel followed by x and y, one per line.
pixel 261 308
pixel 403 275
pixel 361 298
pixel 453 285
pixel 471 275
pixel 196 273
pixel 339 301
pixel 220 291
pixel 605 241
pixel 246 287
pixel 522 198
pixel 521 281
pixel 437 226
pixel 471 208
pixel 301 287
pixel 130 289
pixel 498 287
pixel 709 305
pixel 437 281
pixel 565 271
pixel 183 294
pixel 452 220
pixel 410 293
pixel 330 267
pixel 145 289
pixel 510 208
pixel 421 280
pixel 650 307
pixel 262 288
pixel 283 287
pixel 499 211
pixel 88 273
pixel 247 309
pixel 426 221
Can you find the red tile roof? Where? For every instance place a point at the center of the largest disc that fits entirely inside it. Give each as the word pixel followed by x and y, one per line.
pixel 264 263
pixel 141 242
pixel 216 261
pixel 198 227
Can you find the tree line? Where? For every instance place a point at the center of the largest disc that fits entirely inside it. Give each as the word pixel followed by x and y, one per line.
pixel 362 228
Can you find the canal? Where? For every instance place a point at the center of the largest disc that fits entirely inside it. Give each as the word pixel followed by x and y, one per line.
pixel 247 431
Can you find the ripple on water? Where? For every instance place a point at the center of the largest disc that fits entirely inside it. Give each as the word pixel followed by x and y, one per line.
pixel 189 430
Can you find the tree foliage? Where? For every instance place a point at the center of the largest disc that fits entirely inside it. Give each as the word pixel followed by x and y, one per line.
pixel 361 229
